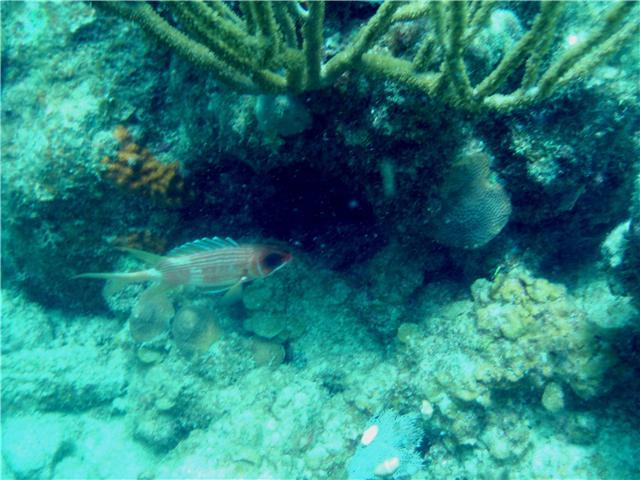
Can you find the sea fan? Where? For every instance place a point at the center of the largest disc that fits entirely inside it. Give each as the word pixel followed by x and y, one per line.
pixel 474 207
pixel 387 448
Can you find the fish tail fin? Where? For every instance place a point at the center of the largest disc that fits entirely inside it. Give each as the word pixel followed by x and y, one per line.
pixel 151 259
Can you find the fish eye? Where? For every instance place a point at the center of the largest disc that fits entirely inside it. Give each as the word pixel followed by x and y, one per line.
pixel 273 260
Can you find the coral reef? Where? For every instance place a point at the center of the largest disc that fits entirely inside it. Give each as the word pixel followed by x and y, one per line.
pixel 377 129
pixel 50 171
pixel 479 382
pixel 474 391
pixel 259 50
pixel 521 333
pixel 415 333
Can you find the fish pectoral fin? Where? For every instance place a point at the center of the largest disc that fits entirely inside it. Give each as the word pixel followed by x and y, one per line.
pixel 234 294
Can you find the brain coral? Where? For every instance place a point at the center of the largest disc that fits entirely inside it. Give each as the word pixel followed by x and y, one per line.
pixel 474 208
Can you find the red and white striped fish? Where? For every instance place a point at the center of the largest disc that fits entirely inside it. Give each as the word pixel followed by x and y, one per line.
pixel 215 264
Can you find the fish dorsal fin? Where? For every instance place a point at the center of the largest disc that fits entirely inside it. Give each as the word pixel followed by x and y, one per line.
pixel 202 245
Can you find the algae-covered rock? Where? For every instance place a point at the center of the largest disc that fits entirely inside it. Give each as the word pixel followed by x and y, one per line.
pixel 104 448
pixel 615 245
pixel 150 353
pixel 195 329
pixel 426 409
pixel 160 431
pixel 63 378
pixel 459 378
pixel 507 436
pixel 225 362
pixel 626 247
pixel 151 315
pixel 32 444
pixel 272 325
pixel 610 312
pixel 266 353
pixel 407 332
pixel 51 176
pixel 582 428
pixel 24 324
pixel 278 308
pixel 553 397
pixel 266 325
pixel 283 115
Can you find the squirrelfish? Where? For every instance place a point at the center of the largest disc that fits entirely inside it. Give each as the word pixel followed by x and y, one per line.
pixel 214 264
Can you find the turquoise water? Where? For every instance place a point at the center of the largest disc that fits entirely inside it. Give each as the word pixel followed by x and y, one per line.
pixel 373 240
